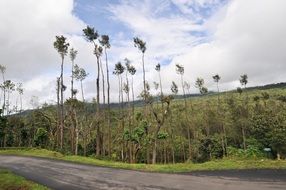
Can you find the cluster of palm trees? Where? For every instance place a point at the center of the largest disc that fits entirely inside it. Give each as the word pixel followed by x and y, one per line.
pixel 125 71
pixel 78 73
pixel 7 88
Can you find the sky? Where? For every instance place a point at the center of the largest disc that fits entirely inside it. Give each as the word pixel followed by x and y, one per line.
pixel 207 37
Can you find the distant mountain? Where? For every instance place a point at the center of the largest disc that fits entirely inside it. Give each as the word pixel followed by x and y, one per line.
pixel 90 107
pixel 268 86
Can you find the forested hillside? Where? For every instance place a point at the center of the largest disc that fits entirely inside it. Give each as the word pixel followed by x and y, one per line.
pixel 227 124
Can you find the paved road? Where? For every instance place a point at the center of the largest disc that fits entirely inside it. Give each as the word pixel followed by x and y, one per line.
pixel 65 175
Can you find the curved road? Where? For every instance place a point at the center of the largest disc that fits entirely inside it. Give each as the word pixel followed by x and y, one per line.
pixel 70 176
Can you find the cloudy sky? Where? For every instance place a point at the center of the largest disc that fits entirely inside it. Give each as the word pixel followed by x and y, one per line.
pixel 228 37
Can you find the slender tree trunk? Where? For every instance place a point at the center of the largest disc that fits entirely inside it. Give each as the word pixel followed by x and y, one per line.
pixel 8 102
pixel 108 104
pixel 243 128
pixel 58 112
pixel 119 92
pixel 104 112
pixel 161 88
pixel 81 87
pixel 144 79
pixel 4 103
pixel 98 133
pixel 133 99
pixel 129 117
pixel 76 133
pixel 122 98
pixel 72 90
pixel 184 93
pixel 4 94
pixel 73 119
pixel 62 102
pixel 186 116
pixel 21 102
pixel 103 83
pixel 16 107
pixel 122 116
pixel 145 107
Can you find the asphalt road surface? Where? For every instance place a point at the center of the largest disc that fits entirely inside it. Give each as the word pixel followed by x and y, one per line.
pixel 70 176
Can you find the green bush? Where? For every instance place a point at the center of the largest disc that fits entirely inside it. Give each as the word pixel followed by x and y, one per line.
pixel 251 152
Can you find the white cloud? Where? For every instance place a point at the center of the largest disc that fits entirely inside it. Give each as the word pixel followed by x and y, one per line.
pixel 27 31
pixel 247 38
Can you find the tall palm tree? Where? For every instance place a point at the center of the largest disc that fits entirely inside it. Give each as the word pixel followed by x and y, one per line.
pixel 98 52
pixel 181 70
pixel 243 81
pixel 127 91
pixel 91 35
pixel 141 45
pixel 104 41
pixel 223 138
pixel 216 80
pixel 58 110
pixel 74 127
pixel 73 54
pixel 119 70
pixel 62 47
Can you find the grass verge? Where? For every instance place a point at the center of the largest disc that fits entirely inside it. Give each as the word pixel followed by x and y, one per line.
pixel 222 164
pixel 10 181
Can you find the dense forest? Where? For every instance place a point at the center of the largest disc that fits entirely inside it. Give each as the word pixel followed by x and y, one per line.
pixel 157 128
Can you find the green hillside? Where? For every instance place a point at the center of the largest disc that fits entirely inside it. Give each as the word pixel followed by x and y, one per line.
pixel 228 124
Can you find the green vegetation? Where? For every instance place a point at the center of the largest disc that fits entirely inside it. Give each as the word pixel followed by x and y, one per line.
pixel 9 181
pixel 221 164
pixel 212 135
